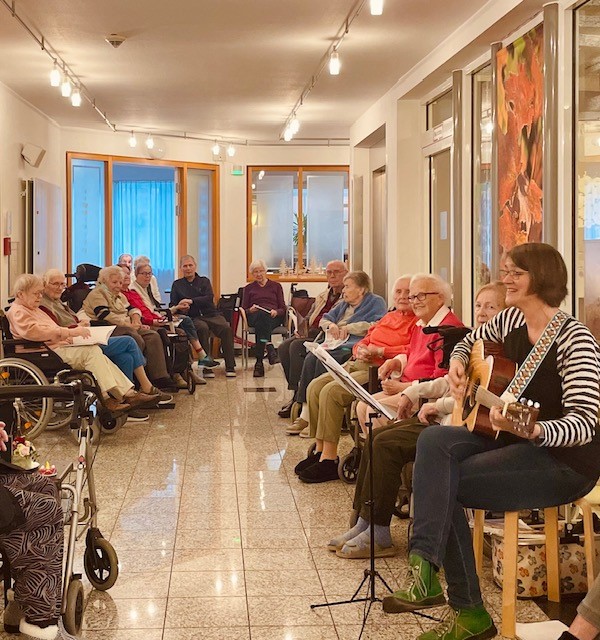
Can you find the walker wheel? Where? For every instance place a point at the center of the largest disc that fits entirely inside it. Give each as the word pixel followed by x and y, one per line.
pixel 73 615
pixel 295 411
pixel 191 382
pixel 311 449
pixel 101 564
pixel 348 467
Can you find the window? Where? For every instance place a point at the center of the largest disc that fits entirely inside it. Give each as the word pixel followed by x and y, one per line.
pixel 128 205
pixel 297 219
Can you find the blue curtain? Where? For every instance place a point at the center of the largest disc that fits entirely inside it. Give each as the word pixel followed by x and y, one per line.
pixel 144 224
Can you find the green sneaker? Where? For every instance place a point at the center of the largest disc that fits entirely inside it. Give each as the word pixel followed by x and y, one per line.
pixel 463 624
pixel 422 589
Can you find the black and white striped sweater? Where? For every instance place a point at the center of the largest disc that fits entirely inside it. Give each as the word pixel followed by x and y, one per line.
pixel 567 385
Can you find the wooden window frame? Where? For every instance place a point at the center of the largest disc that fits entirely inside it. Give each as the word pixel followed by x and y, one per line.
pixel 300 169
pixel 181 168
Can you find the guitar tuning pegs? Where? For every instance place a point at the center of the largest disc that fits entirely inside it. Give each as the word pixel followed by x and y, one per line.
pixel 536 405
pixel 529 403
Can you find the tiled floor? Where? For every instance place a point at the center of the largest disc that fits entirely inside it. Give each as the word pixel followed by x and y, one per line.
pixel 216 537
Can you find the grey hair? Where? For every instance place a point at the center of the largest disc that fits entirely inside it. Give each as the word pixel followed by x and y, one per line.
pixel 341 263
pixel 120 260
pixel 139 266
pixel 51 273
pixel 255 264
pixel 25 282
pixel 140 260
pixel 187 256
pixel 444 287
pixel 107 272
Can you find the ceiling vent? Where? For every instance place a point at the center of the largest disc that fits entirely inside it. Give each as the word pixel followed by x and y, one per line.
pixel 115 40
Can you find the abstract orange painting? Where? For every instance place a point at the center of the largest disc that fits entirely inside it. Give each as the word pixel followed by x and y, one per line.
pixel 519 126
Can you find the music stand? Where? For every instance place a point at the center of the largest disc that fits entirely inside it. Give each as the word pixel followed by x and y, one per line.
pixel 342 377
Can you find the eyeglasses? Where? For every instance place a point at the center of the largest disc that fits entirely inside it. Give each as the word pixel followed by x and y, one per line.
pixel 513 273
pixel 145 273
pixel 60 285
pixel 421 296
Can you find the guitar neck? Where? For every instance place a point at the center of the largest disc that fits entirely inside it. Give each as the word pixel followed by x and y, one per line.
pixel 488 399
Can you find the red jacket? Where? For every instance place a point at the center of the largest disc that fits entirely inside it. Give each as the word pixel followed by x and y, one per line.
pixel 392 332
pixel 135 300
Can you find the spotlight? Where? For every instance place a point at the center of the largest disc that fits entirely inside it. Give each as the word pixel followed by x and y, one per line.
pixel 295 125
pixel 231 151
pixel 216 148
pixel 335 64
pixel 55 76
pixel 376 7
pixel 65 87
pixel 150 142
pixel 287 134
pixel 132 140
pixel 76 97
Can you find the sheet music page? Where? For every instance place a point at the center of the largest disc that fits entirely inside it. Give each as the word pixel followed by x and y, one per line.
pixel 99 335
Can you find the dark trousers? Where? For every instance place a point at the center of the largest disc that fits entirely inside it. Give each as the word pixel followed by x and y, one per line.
pixel 222 330
pixel 454 469
pixel 263 325
pixel 393 446
pixel 291 355
pixel 312 368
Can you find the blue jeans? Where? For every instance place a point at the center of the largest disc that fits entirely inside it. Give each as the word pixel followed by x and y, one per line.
pixel 187 324
pixel 124 352
pixel 455 468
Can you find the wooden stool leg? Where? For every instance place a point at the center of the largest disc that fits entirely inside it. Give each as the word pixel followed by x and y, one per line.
pixel 478 539
pixel 552 557
pixel 589 540
pixel 509 580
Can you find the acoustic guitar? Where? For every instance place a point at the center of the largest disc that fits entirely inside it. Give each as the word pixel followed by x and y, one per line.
pixel 488 375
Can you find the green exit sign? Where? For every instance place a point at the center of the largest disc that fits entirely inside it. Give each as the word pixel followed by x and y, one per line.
pixel 237 170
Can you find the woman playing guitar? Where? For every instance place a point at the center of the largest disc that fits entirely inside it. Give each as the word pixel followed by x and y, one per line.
pixel 558 462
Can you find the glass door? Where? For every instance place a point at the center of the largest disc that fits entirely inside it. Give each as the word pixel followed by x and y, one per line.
pixel 440 220
pixel 200 228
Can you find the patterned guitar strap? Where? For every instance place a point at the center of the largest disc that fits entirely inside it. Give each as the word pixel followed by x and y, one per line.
pixel 533 361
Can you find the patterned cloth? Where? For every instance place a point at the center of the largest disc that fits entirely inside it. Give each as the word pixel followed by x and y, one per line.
pixel 35 549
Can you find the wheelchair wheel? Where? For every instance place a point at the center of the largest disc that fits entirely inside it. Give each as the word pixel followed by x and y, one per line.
pixel 101 564
pixel 110 424
pixel 348 467
pixel 37 412
pixel 73 615
pixel 191 382
pixel 295 411
pixel 311 449
pixel 60 415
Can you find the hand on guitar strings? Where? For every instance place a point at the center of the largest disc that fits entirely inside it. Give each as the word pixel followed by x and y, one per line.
pixel 457 378
pixel 500 423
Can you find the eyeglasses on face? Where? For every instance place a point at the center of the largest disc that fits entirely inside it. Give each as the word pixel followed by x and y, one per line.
pixel 513 273
pixel 145 273
pixel 421 296
pixel 60 285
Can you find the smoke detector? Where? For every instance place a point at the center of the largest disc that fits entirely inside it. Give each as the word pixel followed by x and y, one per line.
pixel 115 40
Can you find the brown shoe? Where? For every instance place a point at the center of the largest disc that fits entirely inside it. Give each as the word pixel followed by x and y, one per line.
pixel 179 381
pixel 138 399
pixel 114 406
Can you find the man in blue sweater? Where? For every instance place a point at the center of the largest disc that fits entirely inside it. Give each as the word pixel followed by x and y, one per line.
pixel 198 292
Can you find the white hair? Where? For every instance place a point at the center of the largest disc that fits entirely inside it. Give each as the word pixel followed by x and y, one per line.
pixel 107 272
pixel 141 260
pixel 52 273
pixel 257 264
pixel 444 287
pixel 25 282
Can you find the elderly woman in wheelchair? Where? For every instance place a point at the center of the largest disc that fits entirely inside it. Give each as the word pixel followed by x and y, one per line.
pixel 32 539
pixel 28 322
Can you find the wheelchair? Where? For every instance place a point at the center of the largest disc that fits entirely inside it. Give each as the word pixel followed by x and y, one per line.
pixel 78 497
pixel 33 363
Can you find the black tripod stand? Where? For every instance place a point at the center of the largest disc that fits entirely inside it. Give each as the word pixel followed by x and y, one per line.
pixel 371 573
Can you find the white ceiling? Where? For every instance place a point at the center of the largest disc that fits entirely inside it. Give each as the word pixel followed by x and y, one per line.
pixel 224 68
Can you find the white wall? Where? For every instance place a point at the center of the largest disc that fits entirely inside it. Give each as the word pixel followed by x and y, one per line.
pixel 21 123
pixel 233 188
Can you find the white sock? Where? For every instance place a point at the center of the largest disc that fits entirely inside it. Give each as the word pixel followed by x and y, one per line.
pixel 304 413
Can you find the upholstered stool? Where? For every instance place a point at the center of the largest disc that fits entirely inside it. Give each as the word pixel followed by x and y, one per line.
pixel 511 538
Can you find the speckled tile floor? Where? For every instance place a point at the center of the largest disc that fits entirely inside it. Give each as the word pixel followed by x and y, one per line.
pixel 216 537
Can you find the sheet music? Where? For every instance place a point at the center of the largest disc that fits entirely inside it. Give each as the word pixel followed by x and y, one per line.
pixel 98 335
pixel 347 381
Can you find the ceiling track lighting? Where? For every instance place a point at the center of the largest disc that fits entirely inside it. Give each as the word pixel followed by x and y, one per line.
pixel 55 76
pixel 149 142
pixel 65 86
pixel 287 134
pixel 295 125
pixel 334 63
pixel 76 97
pixel 231 151
pixel 132 140
pixel 376 7
pixel 216 148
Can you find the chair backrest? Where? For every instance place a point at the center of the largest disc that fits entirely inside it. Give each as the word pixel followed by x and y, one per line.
pixel 227 304
pixel 302 304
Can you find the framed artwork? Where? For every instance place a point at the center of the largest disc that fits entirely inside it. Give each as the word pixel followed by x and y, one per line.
pixel 519 134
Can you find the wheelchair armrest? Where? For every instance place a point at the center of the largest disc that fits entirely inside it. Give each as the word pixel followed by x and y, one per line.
pixel 14 342
pixel 244 318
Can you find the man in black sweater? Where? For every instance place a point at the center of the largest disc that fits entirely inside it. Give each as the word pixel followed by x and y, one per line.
pixel 198 291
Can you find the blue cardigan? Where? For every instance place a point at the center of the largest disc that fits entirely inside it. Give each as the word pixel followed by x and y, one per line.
pixel 371 309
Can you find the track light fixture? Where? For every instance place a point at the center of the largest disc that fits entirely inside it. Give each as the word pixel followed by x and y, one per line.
pixel 295 125
pixel 231 151
pixel 65 87
pixel 376 7
pixel 76 97
pixel 216 148
pixel 132 140
pixel 149 142
pixel 287 134
pixel 334 63
pixel 55 76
